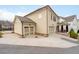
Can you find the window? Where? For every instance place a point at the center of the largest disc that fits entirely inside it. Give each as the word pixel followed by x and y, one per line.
pixel 31 28
pixel 26 29
pixel 54 18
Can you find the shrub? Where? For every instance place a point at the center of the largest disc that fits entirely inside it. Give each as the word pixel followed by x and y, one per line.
pixel 1 34
pixel 73 34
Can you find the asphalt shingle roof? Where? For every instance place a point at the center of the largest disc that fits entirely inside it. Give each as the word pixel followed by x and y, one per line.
pixel 25 19
pixel 68 18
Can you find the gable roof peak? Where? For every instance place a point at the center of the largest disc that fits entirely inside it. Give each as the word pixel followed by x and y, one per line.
pixel 42 7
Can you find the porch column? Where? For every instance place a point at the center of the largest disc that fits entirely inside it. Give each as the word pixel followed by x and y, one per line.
pixel 59 28
pixel 29 30
pixel 64 28
pixel 33 30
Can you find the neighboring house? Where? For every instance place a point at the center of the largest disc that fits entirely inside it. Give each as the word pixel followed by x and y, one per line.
pixel 67 23
pixel 6 25
pixel 78 24
pixel 42 21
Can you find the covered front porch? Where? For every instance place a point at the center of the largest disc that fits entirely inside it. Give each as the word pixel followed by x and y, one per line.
pixel 62 27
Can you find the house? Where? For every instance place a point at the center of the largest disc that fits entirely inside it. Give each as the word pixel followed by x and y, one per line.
pixel 42 21
pixel 6 25
pixel 67 23
pixel 78 25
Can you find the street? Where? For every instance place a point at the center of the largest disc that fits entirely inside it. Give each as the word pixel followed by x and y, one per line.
pixel 19 49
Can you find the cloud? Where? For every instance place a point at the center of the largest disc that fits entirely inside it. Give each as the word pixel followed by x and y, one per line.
pixel 20 13
pixel 6 15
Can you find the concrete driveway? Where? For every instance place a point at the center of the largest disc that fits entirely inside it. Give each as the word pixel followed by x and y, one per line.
pixel 54 40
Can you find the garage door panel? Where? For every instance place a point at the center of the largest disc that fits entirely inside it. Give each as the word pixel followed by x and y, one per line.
pixel 51 29
pixel 29 30
pixel 26 30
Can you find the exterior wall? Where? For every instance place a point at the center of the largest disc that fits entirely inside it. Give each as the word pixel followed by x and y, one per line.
pixel 64 27
pixel 78 24
pixel 51 22
pixel 39 17
pixel 18 26
pixel 73 25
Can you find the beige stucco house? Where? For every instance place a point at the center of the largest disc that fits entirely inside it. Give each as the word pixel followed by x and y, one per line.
pixel 42 21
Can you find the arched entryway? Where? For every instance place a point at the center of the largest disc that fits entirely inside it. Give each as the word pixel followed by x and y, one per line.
pixel 61 28
pixel 66 28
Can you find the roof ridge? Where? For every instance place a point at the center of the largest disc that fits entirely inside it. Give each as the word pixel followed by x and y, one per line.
pixel 17 16
pixel 37 9
pixel 71 16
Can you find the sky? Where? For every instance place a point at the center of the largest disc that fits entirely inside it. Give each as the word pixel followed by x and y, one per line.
pixel 7 12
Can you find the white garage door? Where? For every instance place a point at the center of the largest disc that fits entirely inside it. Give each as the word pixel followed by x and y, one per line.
pixel 26 30
pixel 51 29
pixel 29 30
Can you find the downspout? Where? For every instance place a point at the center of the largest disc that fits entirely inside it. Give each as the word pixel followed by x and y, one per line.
pixel 13 27
pixel 47 19
pixel 22 30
